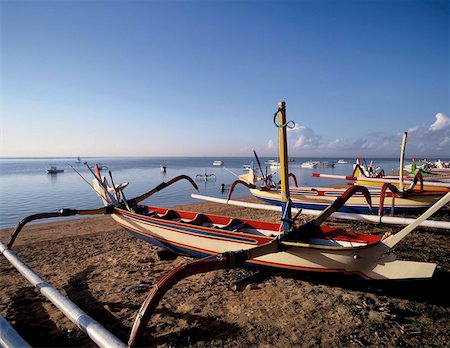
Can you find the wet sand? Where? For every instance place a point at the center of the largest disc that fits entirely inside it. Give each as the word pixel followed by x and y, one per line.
pixel 92 261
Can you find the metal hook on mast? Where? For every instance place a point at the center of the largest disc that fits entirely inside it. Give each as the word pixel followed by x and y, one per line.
pixel 288 124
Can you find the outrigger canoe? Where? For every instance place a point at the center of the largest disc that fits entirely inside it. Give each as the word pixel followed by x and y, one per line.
pixel 388 194
pixel 361 176
pixel 427 183
pixel 225 242
pixel 319 198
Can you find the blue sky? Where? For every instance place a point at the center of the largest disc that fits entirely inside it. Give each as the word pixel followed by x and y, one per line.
pixel 203 78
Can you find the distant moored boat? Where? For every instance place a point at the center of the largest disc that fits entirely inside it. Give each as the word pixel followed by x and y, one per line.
pixel 309 164
pixel 52 169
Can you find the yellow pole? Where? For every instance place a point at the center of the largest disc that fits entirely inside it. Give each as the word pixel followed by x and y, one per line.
pixel 402 161
pixel 285 197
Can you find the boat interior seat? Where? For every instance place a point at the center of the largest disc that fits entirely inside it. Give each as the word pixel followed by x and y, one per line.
pixel 145 211
pixel 199 219
pixel 170 215
pixel 234 224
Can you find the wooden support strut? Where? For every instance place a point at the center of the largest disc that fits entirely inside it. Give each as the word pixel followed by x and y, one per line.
pixel 161 186
pixel 303 231
pixel 61 213
pixel 228 260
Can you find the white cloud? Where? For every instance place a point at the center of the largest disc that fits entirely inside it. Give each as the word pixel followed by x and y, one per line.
pixel 296 128
pixel 431 139
pixel 270 144
pixel 445 142
pixel 304 137
pixel 442 121
pixel 414 129
pixel 336 143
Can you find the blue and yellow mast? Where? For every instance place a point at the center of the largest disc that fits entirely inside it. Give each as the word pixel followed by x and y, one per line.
pixel 285 196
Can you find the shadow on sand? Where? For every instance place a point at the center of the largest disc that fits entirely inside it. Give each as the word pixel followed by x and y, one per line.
pixel 435 290
pixel 200 328
pixel 78 291
pixel 33 323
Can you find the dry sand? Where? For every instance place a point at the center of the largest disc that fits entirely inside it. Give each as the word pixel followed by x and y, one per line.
pixel 93 261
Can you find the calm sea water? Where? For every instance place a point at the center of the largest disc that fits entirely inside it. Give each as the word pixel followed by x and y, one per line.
pixel 26 188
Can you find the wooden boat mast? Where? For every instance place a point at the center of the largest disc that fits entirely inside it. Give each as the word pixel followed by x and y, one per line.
pixel 285 196
pixel 402 160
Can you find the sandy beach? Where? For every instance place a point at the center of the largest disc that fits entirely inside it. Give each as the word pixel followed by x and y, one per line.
pixel 93 261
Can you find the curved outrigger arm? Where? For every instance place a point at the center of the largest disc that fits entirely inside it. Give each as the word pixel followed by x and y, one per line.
pixel 252 186
pixel 161 186
pixel 417 178
pixel 396 192
pixel 303 230
pixel 340 201
pixel 292 175
pixel 61 213
pixel 102 185
pixel 227 260
pixel 236 182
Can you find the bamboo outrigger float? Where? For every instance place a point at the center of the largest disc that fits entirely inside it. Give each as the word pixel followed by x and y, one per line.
pixel 96 331
pixel 225 242
pixel 9 337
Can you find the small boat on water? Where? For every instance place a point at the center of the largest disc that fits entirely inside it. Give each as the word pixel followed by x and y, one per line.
pixel 205 176
pixel 317 164
pixel 275 165
pixel 52 169
pixel 163 168
pixel 325 164
pixel 309 164
pixel 270 161
pixel 341 161
pixel 218 163
pixel 101 166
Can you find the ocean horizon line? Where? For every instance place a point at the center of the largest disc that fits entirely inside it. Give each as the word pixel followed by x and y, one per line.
pixel 211 157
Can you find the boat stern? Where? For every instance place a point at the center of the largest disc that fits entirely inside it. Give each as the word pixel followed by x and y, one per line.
pixel 380 263
pixel 399 269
